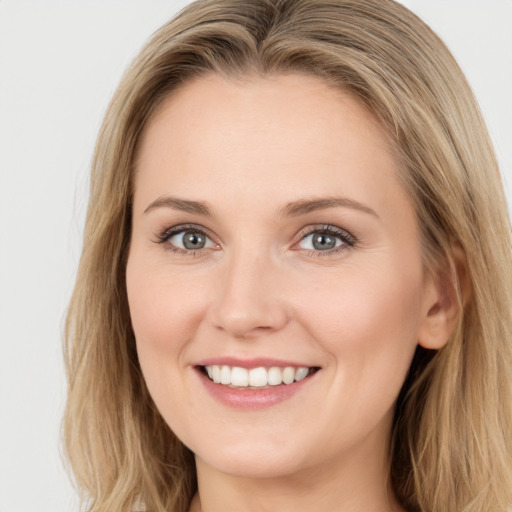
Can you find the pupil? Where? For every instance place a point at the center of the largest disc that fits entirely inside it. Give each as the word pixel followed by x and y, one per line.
pixel 324 242
pixel 193 241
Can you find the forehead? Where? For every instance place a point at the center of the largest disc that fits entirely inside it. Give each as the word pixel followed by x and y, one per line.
pixel 263 138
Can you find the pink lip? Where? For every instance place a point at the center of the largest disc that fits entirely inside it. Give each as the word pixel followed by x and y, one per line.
pixel 251 399
pixel 250 363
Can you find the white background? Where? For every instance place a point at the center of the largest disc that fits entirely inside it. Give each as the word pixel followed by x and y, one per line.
pixel 59 65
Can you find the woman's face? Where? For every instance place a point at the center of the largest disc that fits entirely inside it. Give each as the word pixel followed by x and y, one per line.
pixel 273 241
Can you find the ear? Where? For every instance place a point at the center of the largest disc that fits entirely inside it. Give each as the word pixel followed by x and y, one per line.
pixel 445 293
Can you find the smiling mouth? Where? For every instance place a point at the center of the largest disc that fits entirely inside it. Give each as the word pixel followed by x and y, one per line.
pixel 256 378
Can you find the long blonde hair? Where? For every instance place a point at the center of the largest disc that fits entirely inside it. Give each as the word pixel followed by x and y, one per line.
pixel 452 444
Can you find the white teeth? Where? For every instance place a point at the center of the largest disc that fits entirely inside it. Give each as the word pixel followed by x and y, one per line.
pixel 239 377
pixel 275 376
pixel 288 375
pixel 225 375
pixel 256 377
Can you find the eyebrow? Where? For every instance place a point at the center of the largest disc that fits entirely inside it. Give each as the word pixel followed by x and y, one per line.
pixel 293 209
pixel 305 206
pixel 183 205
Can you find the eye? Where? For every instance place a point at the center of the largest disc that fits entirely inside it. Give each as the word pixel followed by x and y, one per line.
pixel 184 239
pixel 327 239
pixel 190 240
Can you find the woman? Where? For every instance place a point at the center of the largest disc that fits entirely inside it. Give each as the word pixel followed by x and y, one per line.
pixel 294 289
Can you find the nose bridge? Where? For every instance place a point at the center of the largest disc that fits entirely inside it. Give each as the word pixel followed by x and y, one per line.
pixel 249 300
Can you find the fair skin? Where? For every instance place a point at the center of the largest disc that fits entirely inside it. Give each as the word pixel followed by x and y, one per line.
pixel 301 249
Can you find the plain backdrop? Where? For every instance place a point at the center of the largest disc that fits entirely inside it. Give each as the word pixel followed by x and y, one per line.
pixel 59 65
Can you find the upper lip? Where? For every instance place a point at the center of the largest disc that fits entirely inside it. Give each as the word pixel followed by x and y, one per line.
pixel 256 362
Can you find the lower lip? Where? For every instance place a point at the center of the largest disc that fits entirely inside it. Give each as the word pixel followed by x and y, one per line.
pixel 252 399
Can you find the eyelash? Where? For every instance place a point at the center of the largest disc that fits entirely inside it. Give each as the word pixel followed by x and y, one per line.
pixel 348 241
pixel 167 234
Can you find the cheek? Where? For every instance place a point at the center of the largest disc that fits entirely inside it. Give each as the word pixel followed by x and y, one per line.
pixel 163 308
pixel 165 311
pixel 368 321
pixel 368 325
pixel 362 304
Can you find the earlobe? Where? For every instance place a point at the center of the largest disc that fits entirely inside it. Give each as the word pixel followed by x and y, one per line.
pixel 445 295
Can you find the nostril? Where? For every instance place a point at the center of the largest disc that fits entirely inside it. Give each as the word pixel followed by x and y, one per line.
pixel 244 328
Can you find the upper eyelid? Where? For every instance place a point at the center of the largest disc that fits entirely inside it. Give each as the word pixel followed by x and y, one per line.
pixel 179 228
pixel 327 228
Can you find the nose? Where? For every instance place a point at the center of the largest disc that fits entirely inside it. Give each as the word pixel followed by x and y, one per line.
pixel 249 301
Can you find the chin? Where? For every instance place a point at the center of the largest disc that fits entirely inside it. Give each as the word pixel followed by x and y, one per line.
pixel 253 461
